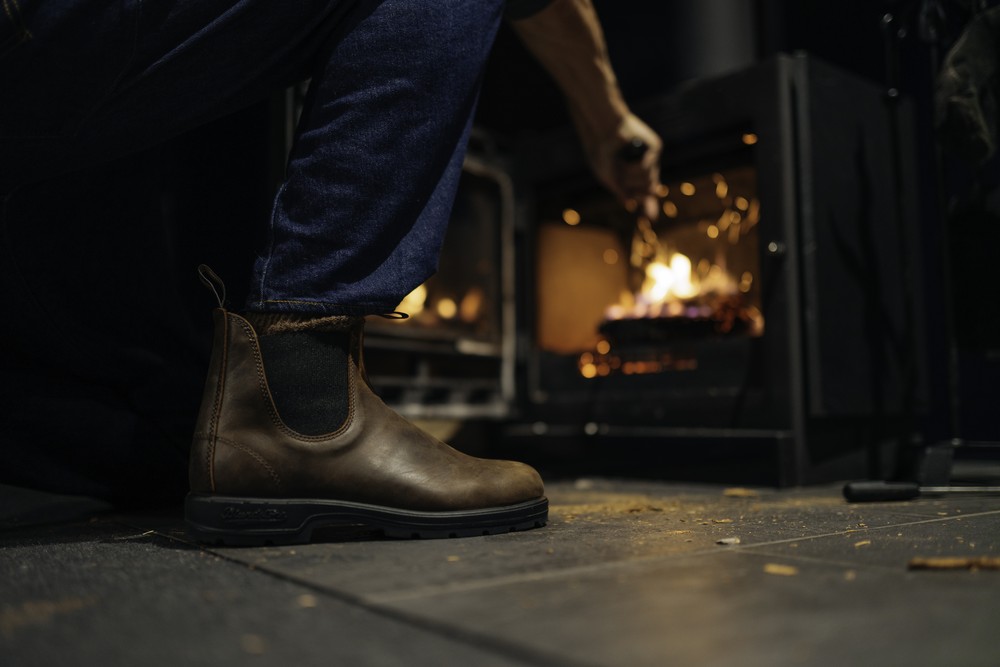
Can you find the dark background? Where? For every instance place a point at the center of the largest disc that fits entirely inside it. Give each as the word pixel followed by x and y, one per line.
pixel 107 327
pixel 658 47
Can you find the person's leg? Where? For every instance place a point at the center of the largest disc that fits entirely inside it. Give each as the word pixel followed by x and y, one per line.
pixel 359 222
pixel 360 219
pixel 290 434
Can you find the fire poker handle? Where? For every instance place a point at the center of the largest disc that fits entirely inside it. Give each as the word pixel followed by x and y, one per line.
pixel 633 151
pixel 871 492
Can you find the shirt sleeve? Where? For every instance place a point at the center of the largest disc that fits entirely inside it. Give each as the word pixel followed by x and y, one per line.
pixel 520 9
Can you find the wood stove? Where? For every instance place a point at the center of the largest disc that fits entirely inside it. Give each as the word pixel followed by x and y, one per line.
pixel 765 306
pixel 767 303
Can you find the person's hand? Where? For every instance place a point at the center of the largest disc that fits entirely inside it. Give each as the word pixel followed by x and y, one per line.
pixel 634 181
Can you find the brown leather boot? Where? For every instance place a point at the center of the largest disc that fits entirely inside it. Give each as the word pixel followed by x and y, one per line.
pixel 267 467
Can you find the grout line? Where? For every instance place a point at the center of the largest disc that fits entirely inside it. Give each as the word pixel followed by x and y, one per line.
pixel 871 529
pixel 449 632
pixel 471 586
pixel 383 603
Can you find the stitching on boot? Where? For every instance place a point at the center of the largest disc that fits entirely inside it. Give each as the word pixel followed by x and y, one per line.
pixel 220 387
pixel 256 457
pixel 265 393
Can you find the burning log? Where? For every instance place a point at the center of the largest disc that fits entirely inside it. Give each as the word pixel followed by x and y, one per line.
pixel 726 315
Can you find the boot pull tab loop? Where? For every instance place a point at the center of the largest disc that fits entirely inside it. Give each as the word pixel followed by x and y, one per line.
pixel 212 281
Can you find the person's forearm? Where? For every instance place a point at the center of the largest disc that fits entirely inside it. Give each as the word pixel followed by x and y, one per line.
pixel 566 38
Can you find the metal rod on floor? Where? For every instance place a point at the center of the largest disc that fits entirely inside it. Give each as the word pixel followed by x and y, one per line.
pixel 869 492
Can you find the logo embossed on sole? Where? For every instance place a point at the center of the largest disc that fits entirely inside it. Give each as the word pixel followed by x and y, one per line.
pixel 233 514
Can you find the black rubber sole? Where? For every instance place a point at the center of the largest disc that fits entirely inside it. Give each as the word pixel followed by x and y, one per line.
pixel 259 521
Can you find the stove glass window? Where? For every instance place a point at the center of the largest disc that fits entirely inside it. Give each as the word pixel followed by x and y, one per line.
pixel 611 281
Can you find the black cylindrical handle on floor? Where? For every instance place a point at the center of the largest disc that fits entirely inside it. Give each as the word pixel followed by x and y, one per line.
pixel 873 492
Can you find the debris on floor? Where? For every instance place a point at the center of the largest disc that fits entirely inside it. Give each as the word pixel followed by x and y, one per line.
pixel 955 563
pixel 739 492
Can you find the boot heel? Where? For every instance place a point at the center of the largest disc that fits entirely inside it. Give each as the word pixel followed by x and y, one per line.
pixel 244 521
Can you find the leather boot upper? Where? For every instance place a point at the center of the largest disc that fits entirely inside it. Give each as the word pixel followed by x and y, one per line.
pixel 241 446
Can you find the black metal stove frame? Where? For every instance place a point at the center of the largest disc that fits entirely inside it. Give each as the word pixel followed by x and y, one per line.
pixel 829 379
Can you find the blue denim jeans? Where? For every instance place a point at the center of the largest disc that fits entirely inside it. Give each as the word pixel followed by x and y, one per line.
pixel 359 219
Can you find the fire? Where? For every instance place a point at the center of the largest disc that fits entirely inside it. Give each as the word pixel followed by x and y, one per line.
pixel 664 282
pixel 672 285
pixel 634 292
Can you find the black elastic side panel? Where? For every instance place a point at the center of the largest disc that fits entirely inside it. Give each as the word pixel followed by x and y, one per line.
pixel 307 374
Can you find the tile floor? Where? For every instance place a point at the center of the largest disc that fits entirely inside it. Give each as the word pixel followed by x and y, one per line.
pixel 626 573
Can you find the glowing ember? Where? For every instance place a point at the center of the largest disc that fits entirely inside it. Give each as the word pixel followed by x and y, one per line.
pixel 666 283
pixel 673 288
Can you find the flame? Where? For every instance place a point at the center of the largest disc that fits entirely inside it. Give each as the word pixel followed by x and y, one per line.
pixel 711 291
pixel 667 282
pixel 672 286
